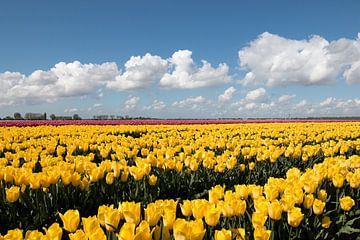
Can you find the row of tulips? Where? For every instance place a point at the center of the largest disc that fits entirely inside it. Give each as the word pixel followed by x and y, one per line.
pixel 316 204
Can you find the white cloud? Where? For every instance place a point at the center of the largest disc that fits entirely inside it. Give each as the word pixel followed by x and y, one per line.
pixel 327 102
pixel 156 105
pixel 250 106
pixel 71 110
pixel 301 104
pixel 278 61
pixel 191 102
pixel 96 105
pixel 227 95
pixel 63 80
pixel 131 102
pixel 352 74
pixel 286 98
pixel 257 94
pixel 140 72
pixel 186 74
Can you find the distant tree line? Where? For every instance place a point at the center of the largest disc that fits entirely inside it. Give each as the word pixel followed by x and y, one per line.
pixel 40 116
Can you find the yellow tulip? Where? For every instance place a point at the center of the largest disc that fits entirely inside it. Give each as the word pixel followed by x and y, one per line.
pixel 112 218
pixel 143 231
pixel 197 230
pixel 239 233
pixel 131 211
pixel 101 214
pixel 12 194
pixel 242 191
pixel 216 193
pixel 275 210
pixel 318 206
pixel 97 234
pixel 212 216
pixel 295 217
pixel 346 203
pixel 70 220
pixel 78 235
pixel 181 229
pixel 325 222
pixel 338 180
pixel 310 186
pixel 54 232
pixel 127 231
pixel 308 201
pixel 90 224
pixel 223 234
pixel 33 235
pixel 169 218
pixel 238 206
pixel 152 180
pixel 258 219
pixel 261 234
pixel 322 195
pixel 251 166
pixel 198 207
pixel 271 192
pixel 137 172
pixel 15 234
pixel 124 175
pixel 109 178
pixel 152 214
pixel 186 208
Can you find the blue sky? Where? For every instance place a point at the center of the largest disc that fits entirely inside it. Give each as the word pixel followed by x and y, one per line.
pixel 145 58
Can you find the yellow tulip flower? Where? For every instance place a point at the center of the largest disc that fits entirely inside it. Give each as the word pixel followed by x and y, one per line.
pixel 212 216
pixel 295 216
pixel 325 222
pixel 152 180
pixel 70 220
pixel 131 212
pixel 346 203
pixel 223 234
pixel 275 210
pixel 127 231
pixel 318 206
pixel 112 218
pixel 262 234
pixel 54 232
pixel 308 201
pixel 12 194
pixel 153 214
pixel 78 235
pixel 186 208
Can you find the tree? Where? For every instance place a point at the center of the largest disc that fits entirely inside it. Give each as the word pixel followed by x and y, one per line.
pixel 52 116
pixel 76 117
pixel 17 116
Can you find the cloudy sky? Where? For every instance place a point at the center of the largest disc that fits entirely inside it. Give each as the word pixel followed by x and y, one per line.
pixel 187 59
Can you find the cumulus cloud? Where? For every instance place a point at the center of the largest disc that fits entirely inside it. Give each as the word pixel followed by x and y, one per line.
pixel 191 102
pixel 301 104
pixel 63 80
pixel 257 94
pixel 185 74
pixel 352 74
pixel 279 61
pixel 227 95
pixel 286 98
pixel 140 72
pixel 328 102
pixel 131 102
pixel 156 105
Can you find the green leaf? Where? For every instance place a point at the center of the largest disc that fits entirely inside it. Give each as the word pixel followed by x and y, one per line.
pixel 348 230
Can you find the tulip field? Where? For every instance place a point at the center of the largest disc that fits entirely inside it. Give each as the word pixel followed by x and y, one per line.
pixel 183 181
